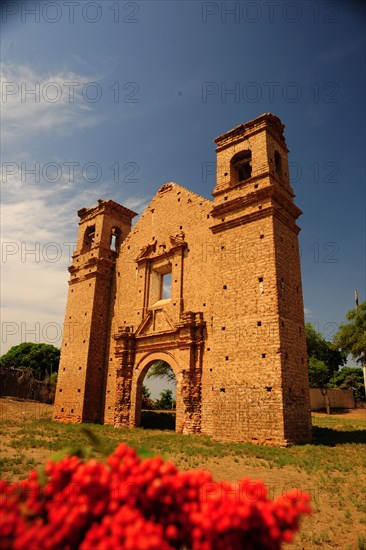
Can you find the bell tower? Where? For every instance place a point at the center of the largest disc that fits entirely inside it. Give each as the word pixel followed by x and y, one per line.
pixel 260 358
pixel 80 387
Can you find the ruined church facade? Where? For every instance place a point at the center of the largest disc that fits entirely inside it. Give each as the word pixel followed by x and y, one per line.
pixel 230 323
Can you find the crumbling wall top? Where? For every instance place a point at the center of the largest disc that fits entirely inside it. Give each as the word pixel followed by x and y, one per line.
pixel 106 206
pixel 272 121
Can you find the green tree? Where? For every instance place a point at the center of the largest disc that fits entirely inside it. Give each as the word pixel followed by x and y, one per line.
pixel 351 336
pixel 319 377
pixel 324 360
pixel 166 401
pixel 42 359
pixel 324 351
pixel 318 373
pixel 350 378
pixel 161 369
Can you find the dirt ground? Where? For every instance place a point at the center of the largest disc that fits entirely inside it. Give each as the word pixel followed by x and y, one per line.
pixel 15 409
pixel 336 523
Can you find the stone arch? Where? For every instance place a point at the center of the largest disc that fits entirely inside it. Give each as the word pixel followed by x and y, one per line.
pixel 278 164
pixel 115 239
pixel 89 238
pixel 241 166
pixel 139 373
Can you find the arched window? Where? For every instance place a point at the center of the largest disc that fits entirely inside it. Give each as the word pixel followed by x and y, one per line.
pixel 115 239
pixel 278 164
pixel 241 167
pixel 89 237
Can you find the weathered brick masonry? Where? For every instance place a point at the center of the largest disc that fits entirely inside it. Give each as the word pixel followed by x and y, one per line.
pixel 232 328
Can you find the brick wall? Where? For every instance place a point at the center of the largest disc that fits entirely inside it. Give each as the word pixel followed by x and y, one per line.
pixel 232 328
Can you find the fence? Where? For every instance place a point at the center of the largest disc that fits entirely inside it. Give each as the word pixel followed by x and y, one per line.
pixel 339 399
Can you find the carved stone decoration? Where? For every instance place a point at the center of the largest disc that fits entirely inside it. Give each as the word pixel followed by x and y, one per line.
pixel 146 251
pixel 178 239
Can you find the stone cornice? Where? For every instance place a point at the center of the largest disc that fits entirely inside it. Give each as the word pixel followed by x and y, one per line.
pixel 187 320
pixel 269 192
pixel 272 211
pixel 227 187
pixel 241 202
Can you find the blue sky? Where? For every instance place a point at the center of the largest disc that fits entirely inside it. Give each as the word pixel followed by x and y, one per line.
pixel 130 95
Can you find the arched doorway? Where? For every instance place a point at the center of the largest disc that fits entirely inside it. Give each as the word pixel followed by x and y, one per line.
pixel 140 372
pixel 158 397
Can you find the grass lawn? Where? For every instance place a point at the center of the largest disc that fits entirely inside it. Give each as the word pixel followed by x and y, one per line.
pixel 331 469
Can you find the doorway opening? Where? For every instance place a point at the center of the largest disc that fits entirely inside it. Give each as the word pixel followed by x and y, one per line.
pixel 158 396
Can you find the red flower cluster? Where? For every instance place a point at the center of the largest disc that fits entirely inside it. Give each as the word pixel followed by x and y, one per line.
pixel 136 504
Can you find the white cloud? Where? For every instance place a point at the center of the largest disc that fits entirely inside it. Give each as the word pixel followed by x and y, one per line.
pixel 137 204
pixel 39 221
pixel 34 286
pixel 57 102
pixel 38 233
pixel 308 313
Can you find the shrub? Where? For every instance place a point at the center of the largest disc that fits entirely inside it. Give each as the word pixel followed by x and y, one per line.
pixel 133 504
